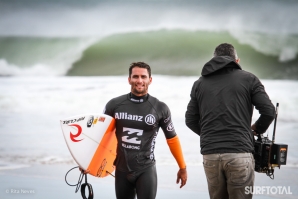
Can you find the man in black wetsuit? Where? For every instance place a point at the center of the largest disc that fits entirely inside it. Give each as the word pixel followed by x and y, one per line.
pixel 138 118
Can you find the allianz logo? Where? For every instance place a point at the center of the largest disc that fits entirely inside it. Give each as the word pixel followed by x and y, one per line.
pixel 149 119
pixel 126 116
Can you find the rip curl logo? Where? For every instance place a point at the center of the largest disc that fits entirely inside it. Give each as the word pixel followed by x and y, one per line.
pixel 73 136
pixel 150 119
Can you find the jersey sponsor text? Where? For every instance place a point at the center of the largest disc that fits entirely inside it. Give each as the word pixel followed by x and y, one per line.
pixel 152 147
pixel 128 146
pixel 132 137
pixel 126 116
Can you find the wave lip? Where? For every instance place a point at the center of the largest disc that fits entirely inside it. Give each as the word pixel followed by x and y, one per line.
pixel 170 52
pixel 183 53
pixel 285 47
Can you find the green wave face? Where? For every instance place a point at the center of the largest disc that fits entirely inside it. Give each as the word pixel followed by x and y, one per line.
pixel 27 51
pixel 174 52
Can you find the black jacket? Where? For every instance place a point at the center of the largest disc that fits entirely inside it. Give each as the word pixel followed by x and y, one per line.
pixel 221 107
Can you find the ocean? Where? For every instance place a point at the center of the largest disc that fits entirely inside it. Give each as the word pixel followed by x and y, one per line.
pixel 63 58
pixel 100 38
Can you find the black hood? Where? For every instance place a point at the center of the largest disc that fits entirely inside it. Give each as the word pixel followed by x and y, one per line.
pixel 217 63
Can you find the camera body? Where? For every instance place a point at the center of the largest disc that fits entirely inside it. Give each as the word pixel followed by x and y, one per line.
pixel 269 155
pixel 261 154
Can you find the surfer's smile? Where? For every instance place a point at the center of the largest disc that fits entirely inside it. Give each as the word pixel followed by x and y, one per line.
pixel 139 81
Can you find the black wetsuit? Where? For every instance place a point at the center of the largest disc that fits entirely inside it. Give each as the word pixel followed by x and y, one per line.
pixel 138 120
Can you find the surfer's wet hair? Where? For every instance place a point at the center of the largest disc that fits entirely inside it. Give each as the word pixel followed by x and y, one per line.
pixel 225 49
pixel 140 65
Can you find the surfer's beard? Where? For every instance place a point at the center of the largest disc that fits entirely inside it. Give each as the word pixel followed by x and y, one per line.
pixel 142 91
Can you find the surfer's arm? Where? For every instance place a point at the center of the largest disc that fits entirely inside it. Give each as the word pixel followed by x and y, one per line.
pixel 175 147
pixel 173 142
pixel 171 136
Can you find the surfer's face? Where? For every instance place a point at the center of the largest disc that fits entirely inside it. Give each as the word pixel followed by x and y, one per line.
pixel 139 81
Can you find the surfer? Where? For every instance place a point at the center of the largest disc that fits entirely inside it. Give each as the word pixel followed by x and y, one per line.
pixel 220 112
pixel 138 118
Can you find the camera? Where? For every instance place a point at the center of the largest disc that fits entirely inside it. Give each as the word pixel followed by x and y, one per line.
pixel 268 154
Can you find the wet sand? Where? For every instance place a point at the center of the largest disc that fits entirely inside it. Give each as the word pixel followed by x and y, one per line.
pixel 48 181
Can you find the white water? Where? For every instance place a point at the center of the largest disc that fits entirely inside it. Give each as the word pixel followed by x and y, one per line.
pixel 31 108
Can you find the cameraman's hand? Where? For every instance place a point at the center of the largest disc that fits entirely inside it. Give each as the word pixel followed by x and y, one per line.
pixel 253 128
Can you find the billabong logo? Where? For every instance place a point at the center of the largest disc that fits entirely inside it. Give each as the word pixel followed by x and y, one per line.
pixel 131 141
pixel 73 136
pixel 132 135
pixel 150 119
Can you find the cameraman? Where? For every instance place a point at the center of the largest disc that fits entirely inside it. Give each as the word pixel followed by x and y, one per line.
pixel 220 112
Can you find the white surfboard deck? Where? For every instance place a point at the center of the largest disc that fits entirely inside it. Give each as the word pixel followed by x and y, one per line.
pixel 90 139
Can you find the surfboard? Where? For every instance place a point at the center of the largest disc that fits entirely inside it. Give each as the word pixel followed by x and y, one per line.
pixel 91 141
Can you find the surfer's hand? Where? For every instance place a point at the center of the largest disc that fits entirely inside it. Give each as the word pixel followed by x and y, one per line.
pixel 182 175
pixel 85 172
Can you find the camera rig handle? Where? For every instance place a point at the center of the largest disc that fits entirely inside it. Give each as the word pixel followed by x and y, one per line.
pixel 274 129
